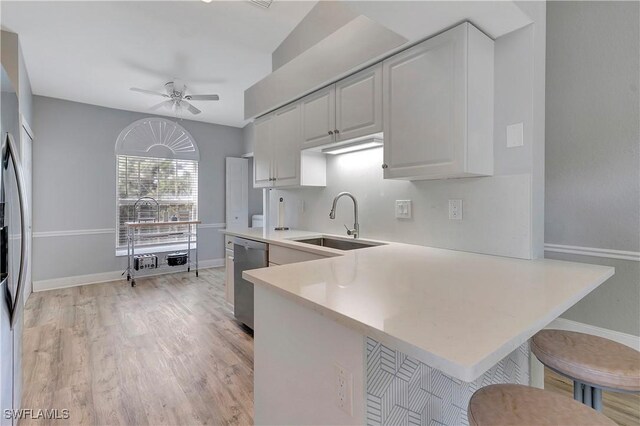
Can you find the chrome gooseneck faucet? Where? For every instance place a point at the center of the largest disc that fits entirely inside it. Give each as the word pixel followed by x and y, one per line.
pixel 332 215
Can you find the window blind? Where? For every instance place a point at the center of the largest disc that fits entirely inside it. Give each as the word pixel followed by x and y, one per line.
pixel 172 182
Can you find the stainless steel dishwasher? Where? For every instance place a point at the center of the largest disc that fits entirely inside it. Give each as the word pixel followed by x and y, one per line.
pixel 247 254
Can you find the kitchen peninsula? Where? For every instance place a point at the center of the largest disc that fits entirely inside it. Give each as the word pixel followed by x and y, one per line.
pixel 405 332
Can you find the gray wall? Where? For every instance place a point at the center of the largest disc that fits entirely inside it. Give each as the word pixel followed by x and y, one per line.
pixel 592 148
pixel 74 185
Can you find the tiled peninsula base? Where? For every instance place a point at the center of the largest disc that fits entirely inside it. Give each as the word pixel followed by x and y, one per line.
pixel 401 390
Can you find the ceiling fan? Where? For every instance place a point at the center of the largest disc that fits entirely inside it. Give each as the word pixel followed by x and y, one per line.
pixel 177 98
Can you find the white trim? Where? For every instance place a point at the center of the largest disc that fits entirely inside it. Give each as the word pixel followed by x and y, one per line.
pixel 76 232
pixel 72 233
pixel 102 277
pixel 595 252
pixel 537 369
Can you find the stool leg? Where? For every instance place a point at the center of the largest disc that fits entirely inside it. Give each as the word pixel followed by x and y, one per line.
pixel 596 403
pixel 577 391
pixel 588 395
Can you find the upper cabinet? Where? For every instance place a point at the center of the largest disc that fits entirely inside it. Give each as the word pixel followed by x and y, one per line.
pixel 345 110
pixel 277 158
pixel 438 107
pixel 359 104
pixel 318 117
pixel 433 103
pixel 286 150
pixel 263 152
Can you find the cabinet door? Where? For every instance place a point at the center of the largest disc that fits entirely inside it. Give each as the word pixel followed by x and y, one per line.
pixel 229 276
pixel 318 117
pixel 263 153
pixel 359 104
pixel 424 108
pixel 286 145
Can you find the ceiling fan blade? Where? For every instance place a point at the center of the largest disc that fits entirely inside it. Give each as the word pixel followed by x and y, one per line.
pixel 166 104
pixel 203 97
pixel 148 92
pixel 191 108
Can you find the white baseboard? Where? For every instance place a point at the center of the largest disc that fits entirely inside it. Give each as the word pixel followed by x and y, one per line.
pixel 537 369
pixel 102 277
pixel 624 338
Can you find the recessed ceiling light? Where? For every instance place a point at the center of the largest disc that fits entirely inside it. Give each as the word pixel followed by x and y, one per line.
pixel 207 1
pixel 262 3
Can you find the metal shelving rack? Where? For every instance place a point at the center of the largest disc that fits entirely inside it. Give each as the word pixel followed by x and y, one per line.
pixel 134 235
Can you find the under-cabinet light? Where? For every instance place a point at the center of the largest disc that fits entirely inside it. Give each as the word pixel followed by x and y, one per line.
pixel 355 146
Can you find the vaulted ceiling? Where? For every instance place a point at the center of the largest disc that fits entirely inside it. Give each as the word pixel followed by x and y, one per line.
pixel 93 52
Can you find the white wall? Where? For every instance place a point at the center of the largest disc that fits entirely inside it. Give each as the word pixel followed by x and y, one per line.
pixel 593 149
pixel 295 353
pixel 74 186
pixel 503 214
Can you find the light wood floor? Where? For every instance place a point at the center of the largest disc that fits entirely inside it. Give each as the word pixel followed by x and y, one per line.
pixel 166 352
pixel 622 408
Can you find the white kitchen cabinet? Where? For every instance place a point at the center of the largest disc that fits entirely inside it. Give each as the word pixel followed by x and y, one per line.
pixel 277 158
pixel 348 109
pixel 318 117
pixel 359 104
pixel 286 146
pixel 438 107
pixel 262 153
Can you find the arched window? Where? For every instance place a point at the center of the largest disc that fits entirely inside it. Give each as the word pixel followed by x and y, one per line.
pixel 156 158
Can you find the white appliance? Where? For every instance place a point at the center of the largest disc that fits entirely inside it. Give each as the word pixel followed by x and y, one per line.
pixel 13 214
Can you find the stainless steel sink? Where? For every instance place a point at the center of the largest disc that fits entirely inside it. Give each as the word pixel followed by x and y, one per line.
pixel 338 244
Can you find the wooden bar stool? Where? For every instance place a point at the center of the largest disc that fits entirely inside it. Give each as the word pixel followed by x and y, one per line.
pixel 592 362
pixel 501 405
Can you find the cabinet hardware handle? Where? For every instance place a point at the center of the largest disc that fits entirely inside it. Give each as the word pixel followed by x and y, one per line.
pixel 384 166
pixel 336 131
pixel 330 132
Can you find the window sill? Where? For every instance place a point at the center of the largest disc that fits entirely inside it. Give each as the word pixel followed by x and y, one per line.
pixel 122 252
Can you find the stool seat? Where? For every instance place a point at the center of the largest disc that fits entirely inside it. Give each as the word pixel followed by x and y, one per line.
pixel 589 359
pixel 501 405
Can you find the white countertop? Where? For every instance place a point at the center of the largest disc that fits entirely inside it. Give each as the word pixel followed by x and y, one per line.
pixel 458 312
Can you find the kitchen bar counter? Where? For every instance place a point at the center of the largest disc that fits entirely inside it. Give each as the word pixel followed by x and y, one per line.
pixel 455 311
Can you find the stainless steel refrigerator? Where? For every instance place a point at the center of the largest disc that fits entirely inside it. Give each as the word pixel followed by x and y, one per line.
pixel 12 256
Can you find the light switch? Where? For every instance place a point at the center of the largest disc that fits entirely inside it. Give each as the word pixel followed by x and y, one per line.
pixel 403 209
pixel 515 135
pixel 455 209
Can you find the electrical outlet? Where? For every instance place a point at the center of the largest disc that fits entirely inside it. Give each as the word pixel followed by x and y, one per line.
pixel 403 209
pixel 455 209
pixel 344 389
